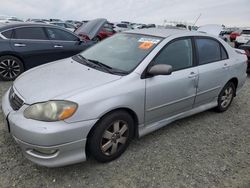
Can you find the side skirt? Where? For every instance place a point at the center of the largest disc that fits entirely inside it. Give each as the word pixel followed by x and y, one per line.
pixel 146 129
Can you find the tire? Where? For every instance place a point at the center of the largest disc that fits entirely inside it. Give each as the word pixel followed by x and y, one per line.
pixel 111 136
pixel 236 45
pixel 10 68
pixel 226 97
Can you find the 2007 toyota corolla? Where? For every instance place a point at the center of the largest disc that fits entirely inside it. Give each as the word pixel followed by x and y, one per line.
pixel 126 86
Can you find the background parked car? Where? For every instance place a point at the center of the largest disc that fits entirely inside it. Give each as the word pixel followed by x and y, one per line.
pixel 95 30
pixel 234 34
pixel 27 45
pixel 213 29
pixel 246 47
pixel 37 20
pixel 9 19
pixel 243 38
pixel 65 25
pixel 54 20
pixel 119 27
pixel 74 22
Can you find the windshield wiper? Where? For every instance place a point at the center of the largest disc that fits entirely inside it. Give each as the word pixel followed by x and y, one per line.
pixel 107 68
pixel 96 64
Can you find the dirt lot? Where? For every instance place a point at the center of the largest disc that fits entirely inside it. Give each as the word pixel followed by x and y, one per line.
pixel 206 150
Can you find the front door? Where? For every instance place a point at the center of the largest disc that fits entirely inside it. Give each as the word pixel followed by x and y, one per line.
pixel 169 95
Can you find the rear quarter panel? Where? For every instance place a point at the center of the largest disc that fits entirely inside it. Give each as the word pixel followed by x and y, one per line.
pixel 238 66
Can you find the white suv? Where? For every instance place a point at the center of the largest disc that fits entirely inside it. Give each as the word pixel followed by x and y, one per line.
pixel 243 38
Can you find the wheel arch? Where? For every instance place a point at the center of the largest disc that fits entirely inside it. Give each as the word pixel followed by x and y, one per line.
pixel 235 82
pixel 128 110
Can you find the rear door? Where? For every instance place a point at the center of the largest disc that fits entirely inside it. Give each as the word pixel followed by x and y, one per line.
pixel 213 67
pixel 65 44
pixel 33 45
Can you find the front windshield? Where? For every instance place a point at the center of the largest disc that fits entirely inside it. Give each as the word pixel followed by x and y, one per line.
pixel 122 51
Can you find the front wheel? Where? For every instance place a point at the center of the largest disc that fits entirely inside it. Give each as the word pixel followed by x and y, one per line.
pixel 226 97
pixel 111 136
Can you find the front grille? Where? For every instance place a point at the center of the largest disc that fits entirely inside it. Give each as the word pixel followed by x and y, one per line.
pixel 15 102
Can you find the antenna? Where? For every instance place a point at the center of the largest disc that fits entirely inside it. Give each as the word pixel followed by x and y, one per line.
pixel 197 19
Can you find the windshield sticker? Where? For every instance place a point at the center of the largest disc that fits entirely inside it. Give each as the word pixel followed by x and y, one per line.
pixel 154 41
pixel 146 45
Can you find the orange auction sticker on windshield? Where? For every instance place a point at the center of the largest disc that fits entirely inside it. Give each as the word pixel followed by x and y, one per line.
pixel 146 45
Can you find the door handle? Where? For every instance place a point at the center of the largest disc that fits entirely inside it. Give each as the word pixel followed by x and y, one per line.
pixel 192 75
pixel 58 46
pixel 19 45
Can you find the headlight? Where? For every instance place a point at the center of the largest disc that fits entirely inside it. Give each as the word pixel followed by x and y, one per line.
pixel 51 110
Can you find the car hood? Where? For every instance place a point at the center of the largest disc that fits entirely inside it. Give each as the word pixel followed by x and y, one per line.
pixel 92 28
pixel 59 80
pixel 212 29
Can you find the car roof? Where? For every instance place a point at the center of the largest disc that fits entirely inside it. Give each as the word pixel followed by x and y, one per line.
pixel 15 25
pixel 164 33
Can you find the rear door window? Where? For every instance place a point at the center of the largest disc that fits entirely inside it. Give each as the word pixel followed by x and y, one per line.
pixel 58 34
pixel 210 50
pixel 34 33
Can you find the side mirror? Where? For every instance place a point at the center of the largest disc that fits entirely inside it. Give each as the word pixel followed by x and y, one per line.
pixel 160 69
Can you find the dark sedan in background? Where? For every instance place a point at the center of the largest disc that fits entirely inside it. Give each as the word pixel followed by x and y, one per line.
pixel 246 47
pixel 26 45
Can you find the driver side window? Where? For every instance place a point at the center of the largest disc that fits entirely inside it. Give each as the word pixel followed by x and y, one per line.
pixel 178 54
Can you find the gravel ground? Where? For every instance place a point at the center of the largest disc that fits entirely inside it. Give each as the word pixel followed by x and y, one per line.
pixel 205 150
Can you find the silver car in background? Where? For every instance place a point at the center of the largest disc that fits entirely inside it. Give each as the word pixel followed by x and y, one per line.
pixel 126 86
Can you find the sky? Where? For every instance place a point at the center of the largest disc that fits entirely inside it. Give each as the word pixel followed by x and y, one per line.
pixel 227 12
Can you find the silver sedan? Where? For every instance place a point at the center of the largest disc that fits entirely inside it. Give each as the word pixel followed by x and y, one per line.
pixel 124 87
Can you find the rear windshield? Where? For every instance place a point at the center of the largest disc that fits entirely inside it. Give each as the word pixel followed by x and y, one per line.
pixel 246 32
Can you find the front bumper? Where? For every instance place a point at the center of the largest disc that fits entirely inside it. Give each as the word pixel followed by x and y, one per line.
pixel 68 140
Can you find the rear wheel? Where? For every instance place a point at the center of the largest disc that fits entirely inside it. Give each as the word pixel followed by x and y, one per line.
pixel 226 97
pixel 10 68
pixel 111 136
pixel 236 44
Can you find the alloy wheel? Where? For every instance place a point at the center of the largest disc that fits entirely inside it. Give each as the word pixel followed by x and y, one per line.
pixel 9 69
pixel 114 137
pixel 227 97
